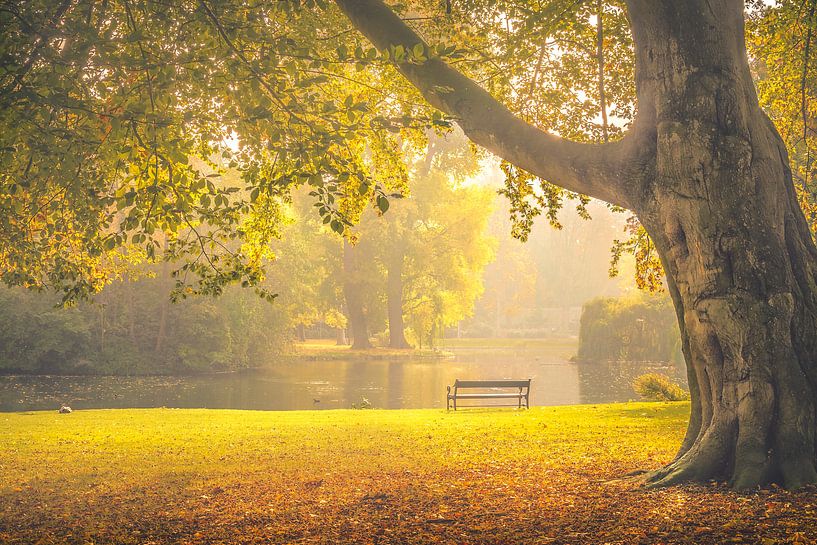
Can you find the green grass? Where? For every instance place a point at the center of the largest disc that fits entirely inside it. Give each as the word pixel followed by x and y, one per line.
pixel 109 444
pixel 212 476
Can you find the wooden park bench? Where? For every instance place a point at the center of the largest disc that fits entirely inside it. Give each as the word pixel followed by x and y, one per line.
pixel 498 389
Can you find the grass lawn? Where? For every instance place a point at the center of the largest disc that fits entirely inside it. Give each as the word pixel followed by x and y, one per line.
pixel 547 475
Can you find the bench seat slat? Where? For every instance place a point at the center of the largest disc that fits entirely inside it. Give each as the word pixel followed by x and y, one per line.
pixel 491 383
pixel 487 396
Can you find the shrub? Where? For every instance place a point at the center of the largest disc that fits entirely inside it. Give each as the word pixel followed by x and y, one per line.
pixel 633 328
pixel 658 387
pixel 132 328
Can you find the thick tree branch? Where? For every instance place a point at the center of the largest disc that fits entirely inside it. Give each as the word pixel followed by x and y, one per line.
pixel 597 170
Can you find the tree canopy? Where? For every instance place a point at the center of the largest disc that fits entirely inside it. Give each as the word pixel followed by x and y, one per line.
pixel 120 117
pixel 123 117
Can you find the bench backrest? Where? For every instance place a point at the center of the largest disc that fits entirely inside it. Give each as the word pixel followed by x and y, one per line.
pixel 492 383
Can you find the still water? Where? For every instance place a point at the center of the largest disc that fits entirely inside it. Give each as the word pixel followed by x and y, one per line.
pixel 390 384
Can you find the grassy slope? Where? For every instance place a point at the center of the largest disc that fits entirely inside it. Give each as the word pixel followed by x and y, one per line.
pixel 487 476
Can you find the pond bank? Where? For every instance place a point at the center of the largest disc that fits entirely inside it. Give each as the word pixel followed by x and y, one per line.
pixel 315 350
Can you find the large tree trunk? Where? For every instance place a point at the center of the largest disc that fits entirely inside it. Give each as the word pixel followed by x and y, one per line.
pixel 394 296
pixel 709 177
pixel 353 291
pixel 741 265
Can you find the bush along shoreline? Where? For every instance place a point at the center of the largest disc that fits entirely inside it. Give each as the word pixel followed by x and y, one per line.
pixel 133 329
pixel 636 328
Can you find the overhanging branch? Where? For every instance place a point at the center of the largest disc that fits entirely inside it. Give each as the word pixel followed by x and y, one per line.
pixel 597 170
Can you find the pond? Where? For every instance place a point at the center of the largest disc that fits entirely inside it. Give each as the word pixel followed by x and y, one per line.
pixel 334 384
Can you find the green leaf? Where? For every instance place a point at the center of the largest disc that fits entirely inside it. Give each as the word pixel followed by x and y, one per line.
pixel 382 203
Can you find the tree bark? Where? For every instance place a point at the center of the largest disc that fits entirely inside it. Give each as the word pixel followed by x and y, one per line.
pixel 131 312
pixel 353 290
pixel 394 296
pixel 165 281
pixel 740 262
pixel 708 175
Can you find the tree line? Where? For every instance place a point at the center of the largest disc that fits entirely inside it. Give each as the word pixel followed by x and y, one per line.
pixel 406 275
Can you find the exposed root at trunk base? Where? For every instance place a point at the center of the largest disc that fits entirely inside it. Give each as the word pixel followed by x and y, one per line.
pixel 791 475
pixel 672 474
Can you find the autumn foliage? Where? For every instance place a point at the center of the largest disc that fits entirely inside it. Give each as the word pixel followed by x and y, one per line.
pixel 547 475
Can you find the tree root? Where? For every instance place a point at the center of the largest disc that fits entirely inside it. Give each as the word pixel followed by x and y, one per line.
pixel 791 474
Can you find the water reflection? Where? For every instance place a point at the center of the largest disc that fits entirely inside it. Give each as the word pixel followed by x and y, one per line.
pixel 338 384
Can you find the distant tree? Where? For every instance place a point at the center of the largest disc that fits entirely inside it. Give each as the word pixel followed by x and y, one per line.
pixel 356 286
pixel 510 284
pixel 432 245
pixel 448 250
pixel 37 338
pixel 304 273
pixel 117 333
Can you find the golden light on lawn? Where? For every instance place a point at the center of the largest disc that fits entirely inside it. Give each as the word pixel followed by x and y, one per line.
pixel 554 471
